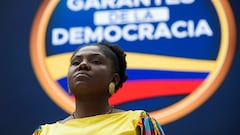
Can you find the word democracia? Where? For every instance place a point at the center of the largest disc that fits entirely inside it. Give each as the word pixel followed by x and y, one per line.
pixel 131 32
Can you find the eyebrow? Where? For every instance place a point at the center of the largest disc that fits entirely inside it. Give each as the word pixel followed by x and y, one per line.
pixel 90 55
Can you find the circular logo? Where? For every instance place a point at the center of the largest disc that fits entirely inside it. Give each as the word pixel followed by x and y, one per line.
pixel 178 52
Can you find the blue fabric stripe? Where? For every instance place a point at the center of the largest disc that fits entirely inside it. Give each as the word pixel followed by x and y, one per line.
pixel 159 128
pixel 147 123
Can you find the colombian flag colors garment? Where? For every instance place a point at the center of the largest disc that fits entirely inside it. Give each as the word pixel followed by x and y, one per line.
pixel 121 123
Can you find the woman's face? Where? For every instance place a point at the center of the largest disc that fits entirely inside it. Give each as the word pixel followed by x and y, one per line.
pixel 90 72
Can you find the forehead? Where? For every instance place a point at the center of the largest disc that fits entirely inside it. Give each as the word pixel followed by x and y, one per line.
pixel 89 50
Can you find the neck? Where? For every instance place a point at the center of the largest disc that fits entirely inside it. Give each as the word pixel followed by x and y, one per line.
pixel 86 108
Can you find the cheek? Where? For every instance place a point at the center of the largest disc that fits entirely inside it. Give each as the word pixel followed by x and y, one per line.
pixel 104 76
pixel 70 70
pixel 69 75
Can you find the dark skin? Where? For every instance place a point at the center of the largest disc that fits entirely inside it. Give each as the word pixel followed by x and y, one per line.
pixel 89 76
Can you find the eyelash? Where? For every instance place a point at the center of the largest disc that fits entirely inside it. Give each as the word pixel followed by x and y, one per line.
pixel 97 62
pixel 75 63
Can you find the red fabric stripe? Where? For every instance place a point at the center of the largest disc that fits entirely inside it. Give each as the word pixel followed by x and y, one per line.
pixel 135 90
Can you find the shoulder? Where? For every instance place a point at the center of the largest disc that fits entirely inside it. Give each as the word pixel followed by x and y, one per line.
pixel 141 113
pixel 45 128
pixel 148 124
pixel 37 131
pixel 116 110
pixel 66 119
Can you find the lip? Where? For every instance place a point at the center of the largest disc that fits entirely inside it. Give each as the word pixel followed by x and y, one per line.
pixel 82 75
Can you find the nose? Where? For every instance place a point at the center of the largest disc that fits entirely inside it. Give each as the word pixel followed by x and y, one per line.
pixel 84 65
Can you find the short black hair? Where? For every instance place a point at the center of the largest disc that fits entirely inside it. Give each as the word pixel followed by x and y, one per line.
pixel 117 56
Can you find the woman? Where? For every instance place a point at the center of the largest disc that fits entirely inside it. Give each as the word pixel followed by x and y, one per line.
pixel 96 72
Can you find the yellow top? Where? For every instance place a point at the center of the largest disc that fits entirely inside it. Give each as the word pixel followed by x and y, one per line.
pixel 121 123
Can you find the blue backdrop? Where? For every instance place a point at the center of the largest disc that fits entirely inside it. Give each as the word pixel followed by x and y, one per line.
pixel 24 104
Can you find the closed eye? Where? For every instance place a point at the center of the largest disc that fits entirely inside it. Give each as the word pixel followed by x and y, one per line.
pixel 75 63
pixel 97 62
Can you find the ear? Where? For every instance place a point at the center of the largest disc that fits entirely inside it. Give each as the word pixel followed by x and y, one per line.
pixel 116 78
